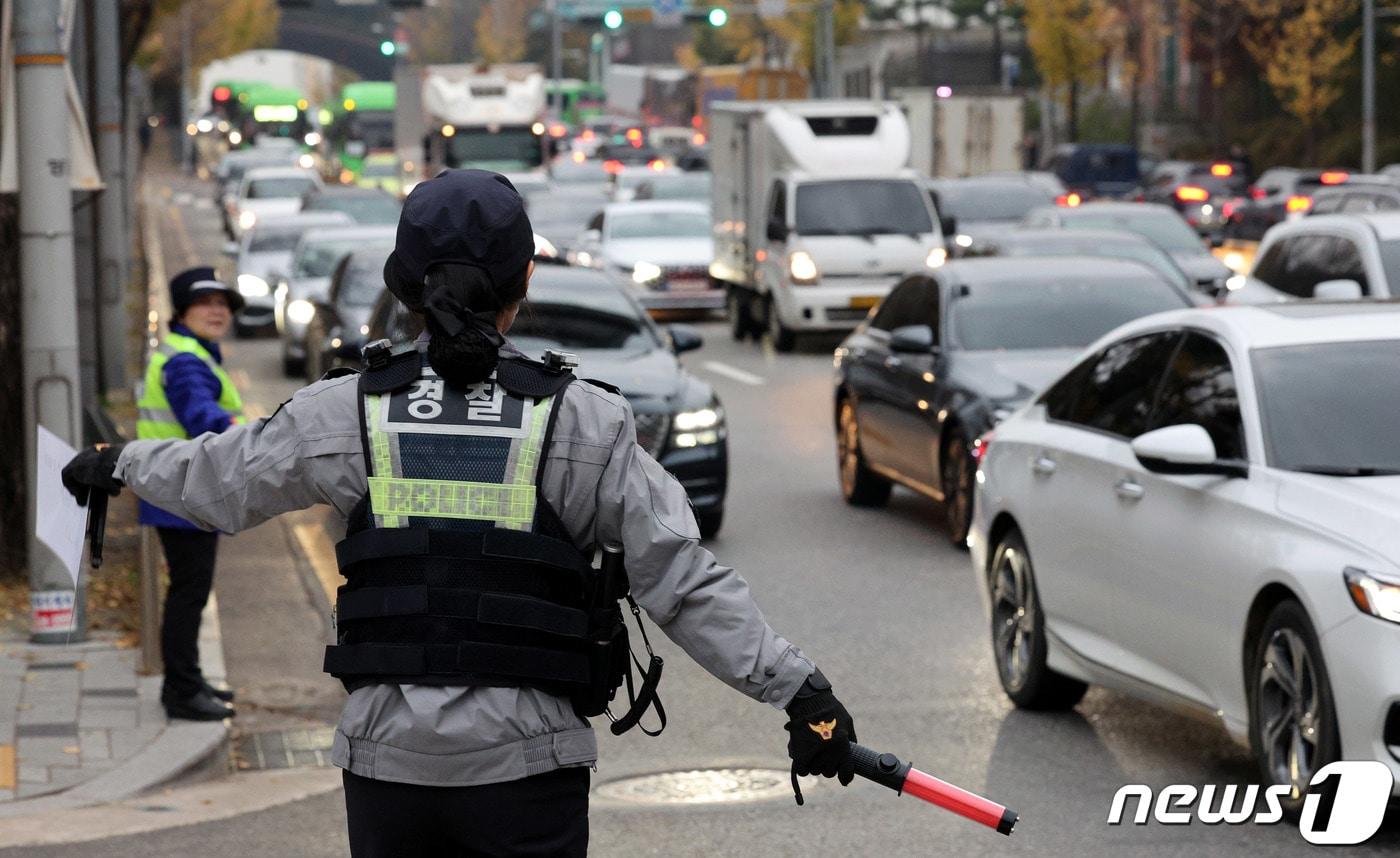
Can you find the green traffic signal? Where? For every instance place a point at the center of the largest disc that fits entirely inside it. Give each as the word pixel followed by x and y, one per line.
pixel 612 19
pixel 718 17
pixel 386 48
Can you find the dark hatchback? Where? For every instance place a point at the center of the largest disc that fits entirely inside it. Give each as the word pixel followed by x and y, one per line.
pixel 338 329
pixel 679 419
pixel 951 352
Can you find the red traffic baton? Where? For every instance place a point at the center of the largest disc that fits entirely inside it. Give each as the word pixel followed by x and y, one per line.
pixel 889 770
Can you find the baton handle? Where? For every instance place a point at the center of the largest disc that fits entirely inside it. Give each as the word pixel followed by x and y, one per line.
pixel 97 526
pixel 890 771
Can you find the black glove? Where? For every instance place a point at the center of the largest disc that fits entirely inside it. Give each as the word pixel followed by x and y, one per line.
pixel 820 733
pixel 93 468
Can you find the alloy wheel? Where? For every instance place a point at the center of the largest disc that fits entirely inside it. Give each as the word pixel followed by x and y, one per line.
pixel 1013 617
pixel 1289 707
pixel 848 449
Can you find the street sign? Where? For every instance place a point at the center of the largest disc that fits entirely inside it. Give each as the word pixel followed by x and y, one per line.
pixel 770 9
pixel 667 13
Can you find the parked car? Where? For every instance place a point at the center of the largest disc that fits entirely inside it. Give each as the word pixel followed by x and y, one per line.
pixel 977 209
pixel 951 351
pixel 363 205
pixel 1276 194
pixel 339 323
pixel 1329 256
pixel 659 250
pixel 308 280
pixel 1199 514
pixel 268 192
pixel 1199 191
pixel 1090 243
pixel 1157 223
pixel 1097 170
pixel 260 259
pixel 679 418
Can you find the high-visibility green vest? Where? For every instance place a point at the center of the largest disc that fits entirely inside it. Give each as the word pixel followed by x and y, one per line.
pixel 154 418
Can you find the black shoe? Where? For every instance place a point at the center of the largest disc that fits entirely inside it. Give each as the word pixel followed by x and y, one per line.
pixel 224 694
pixel 203 706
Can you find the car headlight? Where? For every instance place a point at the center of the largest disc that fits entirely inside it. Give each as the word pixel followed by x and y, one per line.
pixel 802 267
pixel 698 428
pixel 936 257
pixel 234 138
pixel 246 220
pixel 963 240
pixel 252 286
pixel 300 311
pixel 645 272
pixel 305 161
pixel 312 138
pixel 1379 597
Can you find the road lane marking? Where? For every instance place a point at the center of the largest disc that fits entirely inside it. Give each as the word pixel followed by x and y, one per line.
pixel 182 235
pixel 735 373
pixel 7 766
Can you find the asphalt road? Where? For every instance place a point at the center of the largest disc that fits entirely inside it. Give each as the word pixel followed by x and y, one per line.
pixel 877 597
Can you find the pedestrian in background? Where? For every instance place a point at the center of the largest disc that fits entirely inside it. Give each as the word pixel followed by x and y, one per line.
pixel 185 394
pixel 476 484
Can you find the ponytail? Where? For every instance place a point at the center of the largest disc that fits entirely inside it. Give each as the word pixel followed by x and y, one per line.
pixel 459 309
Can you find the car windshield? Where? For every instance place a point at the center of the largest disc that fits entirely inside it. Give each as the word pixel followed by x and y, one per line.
pixel 319 259
pixel 1068 312
pixel 274 241
pixel 1137 251
pixel 608 323
pixel 1165 229
pixel 1312 423
pixel 364 208
pixel 362 281
pixel 289 186
pixel 507 148
pixel 987 201
pixel 679 188
pixel 660 224
pixel 861 207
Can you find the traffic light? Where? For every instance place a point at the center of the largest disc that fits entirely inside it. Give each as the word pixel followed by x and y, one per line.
pixel 387 47
pixel 718 17
pixel 612 19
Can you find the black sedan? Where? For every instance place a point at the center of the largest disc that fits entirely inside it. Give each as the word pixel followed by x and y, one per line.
pixel 338 327
pixel 977 209
pixel 679 419
pixel 951 352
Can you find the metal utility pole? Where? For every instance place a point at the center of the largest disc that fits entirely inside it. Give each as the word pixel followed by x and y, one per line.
pixel 48 296
pixel 186 140
pixel 112 240
pixel 826 49
pixel 556 55
pixel 1368 86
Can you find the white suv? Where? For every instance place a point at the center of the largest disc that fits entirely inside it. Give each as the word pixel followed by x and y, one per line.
pixel 1342 256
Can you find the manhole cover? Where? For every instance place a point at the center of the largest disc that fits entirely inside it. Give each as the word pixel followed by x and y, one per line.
pixel 285 749
pixel 701 786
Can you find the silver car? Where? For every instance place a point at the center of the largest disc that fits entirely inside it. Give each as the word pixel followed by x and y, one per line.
pixel 659 249
pixel 262 255
pixel 308 279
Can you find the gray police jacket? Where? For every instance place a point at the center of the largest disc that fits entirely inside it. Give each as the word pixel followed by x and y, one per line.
pixel 604 487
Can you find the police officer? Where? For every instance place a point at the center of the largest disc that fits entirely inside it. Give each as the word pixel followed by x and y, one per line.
pixel 184 394
pixel 476 484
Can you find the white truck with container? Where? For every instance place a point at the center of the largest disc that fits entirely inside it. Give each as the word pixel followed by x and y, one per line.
pixel 963 135
pixel 488 117
pixel 816 213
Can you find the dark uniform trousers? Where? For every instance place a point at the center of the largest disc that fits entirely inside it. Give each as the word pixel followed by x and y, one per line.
pixel 190 555
pixel 543 815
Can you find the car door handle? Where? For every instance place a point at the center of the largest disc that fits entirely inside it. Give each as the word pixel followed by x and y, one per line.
pixel 1128 490
pixel 1043 465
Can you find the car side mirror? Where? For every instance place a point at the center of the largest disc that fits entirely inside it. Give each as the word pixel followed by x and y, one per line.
pixel 949 225
pixel 912 339
pixel 1338 290
pixel 1184 449
pixel 230 248
pixel 777 230
pixel 684 338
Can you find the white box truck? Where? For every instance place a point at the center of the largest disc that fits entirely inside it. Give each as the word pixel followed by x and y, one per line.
pixel 816 213
pixel 963 135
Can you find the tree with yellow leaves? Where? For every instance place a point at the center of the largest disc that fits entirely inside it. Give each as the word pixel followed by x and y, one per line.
pixel 218 30
pixel 500 31
pixel 748 38
pixel 1067 40
pixel 1296 45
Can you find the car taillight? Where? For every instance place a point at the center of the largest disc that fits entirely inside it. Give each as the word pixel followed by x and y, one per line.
pixel 612 167
pixel 1333 177
pixel 1222 171
pixel 587 134
pixel 657 164
pixel 1227 209
pixel 1257 193
pixel 1070 199
pixel 1192 194
pixel 1298 204
pixel 979 447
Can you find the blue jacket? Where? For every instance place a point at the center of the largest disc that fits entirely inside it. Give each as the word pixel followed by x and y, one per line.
pixel 193 391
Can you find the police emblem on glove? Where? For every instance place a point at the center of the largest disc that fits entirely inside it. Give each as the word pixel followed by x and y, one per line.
pixel 823 729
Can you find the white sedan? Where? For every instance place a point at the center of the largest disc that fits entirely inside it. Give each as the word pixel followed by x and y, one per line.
pixel 1205 512
pixel 659 249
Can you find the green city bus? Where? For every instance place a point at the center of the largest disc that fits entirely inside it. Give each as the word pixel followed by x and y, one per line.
pixel 362 123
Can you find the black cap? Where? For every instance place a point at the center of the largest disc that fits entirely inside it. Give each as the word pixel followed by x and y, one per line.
pixel 471 217
pixel 191 283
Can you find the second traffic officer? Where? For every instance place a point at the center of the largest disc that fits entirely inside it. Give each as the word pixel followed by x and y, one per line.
pixel 476 485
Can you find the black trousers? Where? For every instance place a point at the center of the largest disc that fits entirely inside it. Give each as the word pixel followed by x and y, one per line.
pixel 544 815
pixel 190 555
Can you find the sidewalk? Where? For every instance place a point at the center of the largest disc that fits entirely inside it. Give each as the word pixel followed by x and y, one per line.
pixel 79 726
